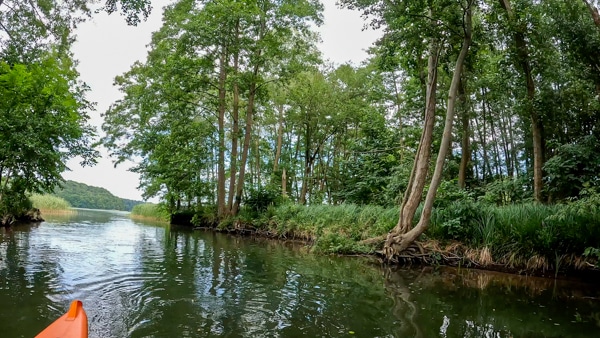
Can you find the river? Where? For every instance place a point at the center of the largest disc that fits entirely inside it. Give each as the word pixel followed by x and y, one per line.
pixel 138 279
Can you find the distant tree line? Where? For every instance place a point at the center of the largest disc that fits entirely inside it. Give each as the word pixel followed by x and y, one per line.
pixel 81 195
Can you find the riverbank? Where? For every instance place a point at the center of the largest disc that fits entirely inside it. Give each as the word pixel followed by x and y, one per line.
pixel 32 209
pixel 522 239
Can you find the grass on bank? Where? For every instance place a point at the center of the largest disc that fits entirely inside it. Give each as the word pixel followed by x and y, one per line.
pixel 150 211
pixel 528 235
pixel 49 204
pixel 333 229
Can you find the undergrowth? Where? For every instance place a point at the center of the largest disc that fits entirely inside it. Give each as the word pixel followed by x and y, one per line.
pixel 516 231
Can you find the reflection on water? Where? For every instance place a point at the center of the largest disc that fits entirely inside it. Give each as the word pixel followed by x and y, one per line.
pixel 472 303
pixel 145 280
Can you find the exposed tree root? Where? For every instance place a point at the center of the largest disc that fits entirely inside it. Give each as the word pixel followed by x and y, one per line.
pixel 458 255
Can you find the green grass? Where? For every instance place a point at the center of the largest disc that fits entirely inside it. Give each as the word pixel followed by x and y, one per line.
pixel 521 230
pixel 333 229
pixel 49 203
pixel 150 211
pixel 528 234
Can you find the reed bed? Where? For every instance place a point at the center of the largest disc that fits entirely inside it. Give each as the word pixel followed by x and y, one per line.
pixel 150 211
pixel 49 204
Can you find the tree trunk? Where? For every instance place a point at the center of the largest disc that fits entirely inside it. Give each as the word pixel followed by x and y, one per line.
pixel 235 128
pixel 279 139
pixel 466 137
pixel 505 145
pixel 397 241
pixel 257 142
pixel 249 119
pixel 294 171
pixel 487 167
pixel 536 125
pixel 248 133
pixel 284 183
pixel 307 166
pixel 416 182
pixel 495 147
pixel 221 122
pixel 513 148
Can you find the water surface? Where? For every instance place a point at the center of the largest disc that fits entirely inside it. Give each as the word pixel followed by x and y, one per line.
pixel 138 279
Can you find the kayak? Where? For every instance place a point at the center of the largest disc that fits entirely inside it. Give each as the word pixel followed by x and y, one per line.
pixel 73 324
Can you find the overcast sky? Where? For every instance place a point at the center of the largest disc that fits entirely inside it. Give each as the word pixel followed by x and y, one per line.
pixel 107 47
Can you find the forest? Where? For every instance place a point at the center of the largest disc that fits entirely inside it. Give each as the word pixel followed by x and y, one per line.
pixel 234 108
pixel 81 195
pixel 235 117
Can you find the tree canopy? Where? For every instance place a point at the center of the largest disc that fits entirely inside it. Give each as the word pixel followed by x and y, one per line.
pixel 43 109
pixel 211 106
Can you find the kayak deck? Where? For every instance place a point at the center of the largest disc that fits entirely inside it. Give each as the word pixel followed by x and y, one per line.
pixel 73 324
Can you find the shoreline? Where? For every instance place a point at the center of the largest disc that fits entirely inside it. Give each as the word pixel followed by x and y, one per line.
pixel 148 218
pixel 431 253
pixel 58 211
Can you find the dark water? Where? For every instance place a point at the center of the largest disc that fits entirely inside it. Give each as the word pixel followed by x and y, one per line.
pixel 143 280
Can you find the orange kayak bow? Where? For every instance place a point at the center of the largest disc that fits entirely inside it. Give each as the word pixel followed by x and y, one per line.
pixel 72 324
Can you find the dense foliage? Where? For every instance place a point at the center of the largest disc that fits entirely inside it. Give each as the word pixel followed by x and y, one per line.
pixel 248 114
pixel 81 195
pixel 43 110
pixel 42 125
pixel 347 134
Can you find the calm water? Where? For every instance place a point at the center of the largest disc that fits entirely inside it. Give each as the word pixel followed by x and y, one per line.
pixel 143 280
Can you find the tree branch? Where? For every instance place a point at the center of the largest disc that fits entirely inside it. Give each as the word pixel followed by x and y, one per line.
pixel 594 12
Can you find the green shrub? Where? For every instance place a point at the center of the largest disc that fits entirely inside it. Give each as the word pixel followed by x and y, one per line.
pixel 508 191
pixel 574 166
pixel 458 220
pixel 260 199
pixel 449 193
pixel 13 205
pixel 575 226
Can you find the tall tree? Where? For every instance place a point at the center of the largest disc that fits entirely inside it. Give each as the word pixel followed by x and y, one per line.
pixel 518 31
pixel 223 53
pixel 434 21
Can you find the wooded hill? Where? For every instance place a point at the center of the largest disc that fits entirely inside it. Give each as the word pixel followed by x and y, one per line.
pixel 81 195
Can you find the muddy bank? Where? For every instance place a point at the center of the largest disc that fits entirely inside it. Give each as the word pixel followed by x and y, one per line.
pixel 34 215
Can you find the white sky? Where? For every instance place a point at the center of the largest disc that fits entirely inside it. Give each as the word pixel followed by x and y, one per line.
pixel 107 47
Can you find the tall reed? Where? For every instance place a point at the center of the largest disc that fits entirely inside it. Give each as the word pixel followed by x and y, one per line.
pixel 150 211
pixel 49 203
